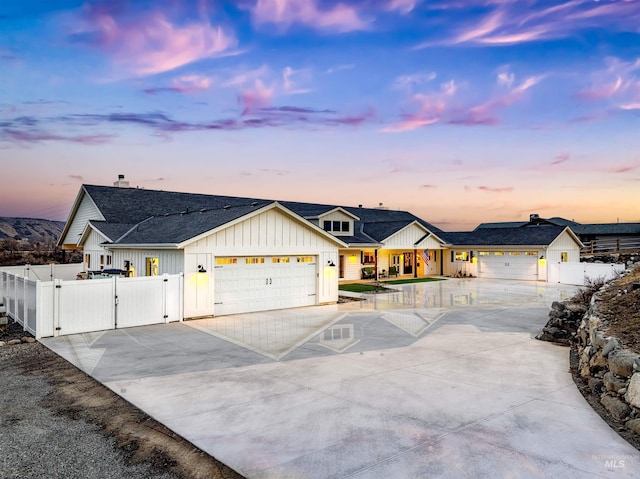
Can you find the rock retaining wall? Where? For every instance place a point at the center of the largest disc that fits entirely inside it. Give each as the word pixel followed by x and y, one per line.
pixel 610 370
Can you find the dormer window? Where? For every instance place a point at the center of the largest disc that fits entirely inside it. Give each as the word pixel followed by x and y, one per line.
pixel 336 226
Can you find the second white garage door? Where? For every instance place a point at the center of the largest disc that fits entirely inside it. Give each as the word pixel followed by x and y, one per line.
pixel 249 284
pixel 521 265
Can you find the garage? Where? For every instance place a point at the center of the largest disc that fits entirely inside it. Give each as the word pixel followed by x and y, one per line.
pixel 520 265
pixel 261 283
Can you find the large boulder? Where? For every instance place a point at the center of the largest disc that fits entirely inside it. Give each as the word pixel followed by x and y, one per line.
pixel 617 408
pixel 632 395
pixel 621 362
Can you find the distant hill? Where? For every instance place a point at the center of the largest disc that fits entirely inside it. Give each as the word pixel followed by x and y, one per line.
pixel 30 229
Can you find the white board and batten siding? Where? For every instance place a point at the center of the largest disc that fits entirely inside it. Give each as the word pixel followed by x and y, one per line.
pixel 169 261
pixel 352 265
pixel 337 216
pixel 87 210
pixel 93 247
pixel 406 238
pixel 564 243
pixel 268 235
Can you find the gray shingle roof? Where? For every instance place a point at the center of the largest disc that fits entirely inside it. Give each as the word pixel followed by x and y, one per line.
pixel 542 235
pixel 173 217
pixel 176 228
pixel 587 229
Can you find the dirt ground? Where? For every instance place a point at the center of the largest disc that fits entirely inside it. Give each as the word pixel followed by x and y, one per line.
pixel 76 397
pixel 621 310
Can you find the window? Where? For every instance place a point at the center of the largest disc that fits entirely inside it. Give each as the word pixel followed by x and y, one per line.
pixel 151 266
pixel 336 226
pixel 108 260
pixel 87 260
pixel 498 253
pixel 254 260
pixel 224 261
pixel 514 253
pixel 338 332
pixel 305 259
pixel 531 253
pixel 484 253
pixel 284 259
pixel 564 257
pixel 368 257
pixel 461 256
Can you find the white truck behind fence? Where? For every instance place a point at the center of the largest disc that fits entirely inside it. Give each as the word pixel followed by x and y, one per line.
pixel 60 307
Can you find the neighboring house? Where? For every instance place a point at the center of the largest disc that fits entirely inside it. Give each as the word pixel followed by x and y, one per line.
pixel 596 237
pixel 243 254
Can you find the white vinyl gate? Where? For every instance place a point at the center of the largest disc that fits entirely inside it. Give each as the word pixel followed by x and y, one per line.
pixel 53 308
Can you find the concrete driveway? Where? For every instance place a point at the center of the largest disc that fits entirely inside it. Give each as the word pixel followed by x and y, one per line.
pixel 439 379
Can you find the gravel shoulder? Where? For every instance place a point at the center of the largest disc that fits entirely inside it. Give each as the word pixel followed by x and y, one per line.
pixel 57 422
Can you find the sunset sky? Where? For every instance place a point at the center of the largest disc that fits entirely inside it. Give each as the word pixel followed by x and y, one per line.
pixel 460 111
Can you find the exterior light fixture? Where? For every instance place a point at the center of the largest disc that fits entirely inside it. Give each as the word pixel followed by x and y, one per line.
pixel 201 269
pixel 331 263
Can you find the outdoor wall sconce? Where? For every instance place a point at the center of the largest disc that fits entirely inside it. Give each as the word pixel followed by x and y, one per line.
pixel 331 263
pixel 201 269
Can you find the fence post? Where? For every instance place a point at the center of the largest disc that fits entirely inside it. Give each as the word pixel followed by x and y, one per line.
pixel 57 291
pixel 181 296
pixel 25 304
pixel 165 280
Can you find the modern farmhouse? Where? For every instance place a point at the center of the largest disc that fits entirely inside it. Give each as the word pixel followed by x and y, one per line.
pixel 244 254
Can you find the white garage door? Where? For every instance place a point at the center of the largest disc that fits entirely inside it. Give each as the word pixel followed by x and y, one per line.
pixel 508 265
pixel 244 285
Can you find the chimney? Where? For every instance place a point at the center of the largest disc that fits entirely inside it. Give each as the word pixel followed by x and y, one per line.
pixel 534 217
pixel 121 183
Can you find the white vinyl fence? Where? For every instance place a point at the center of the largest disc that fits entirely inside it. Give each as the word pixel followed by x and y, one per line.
pixel 45 272
pixel 60 307
pixel 577 273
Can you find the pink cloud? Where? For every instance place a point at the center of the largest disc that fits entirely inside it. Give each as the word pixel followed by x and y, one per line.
pixel 431 109
pixel 496 190
pixel 511 22
pixel 184 84
pixel 625 168
pixel 255 98
pixel 284 13
pixel 152 44
pixel 436 107
pixel 561 158
pixel 402 6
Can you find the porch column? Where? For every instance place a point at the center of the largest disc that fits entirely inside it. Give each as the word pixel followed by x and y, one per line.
pixel 415 263
pixel 375 262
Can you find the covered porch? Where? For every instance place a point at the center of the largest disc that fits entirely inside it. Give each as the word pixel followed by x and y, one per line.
pixel 378 264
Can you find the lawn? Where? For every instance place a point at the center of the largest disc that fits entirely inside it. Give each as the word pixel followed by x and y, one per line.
pixel 371 287
pixel 412 280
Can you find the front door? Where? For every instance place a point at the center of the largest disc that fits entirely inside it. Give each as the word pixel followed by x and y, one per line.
pixel 408 263
pixel 341 266
pixel 395 262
